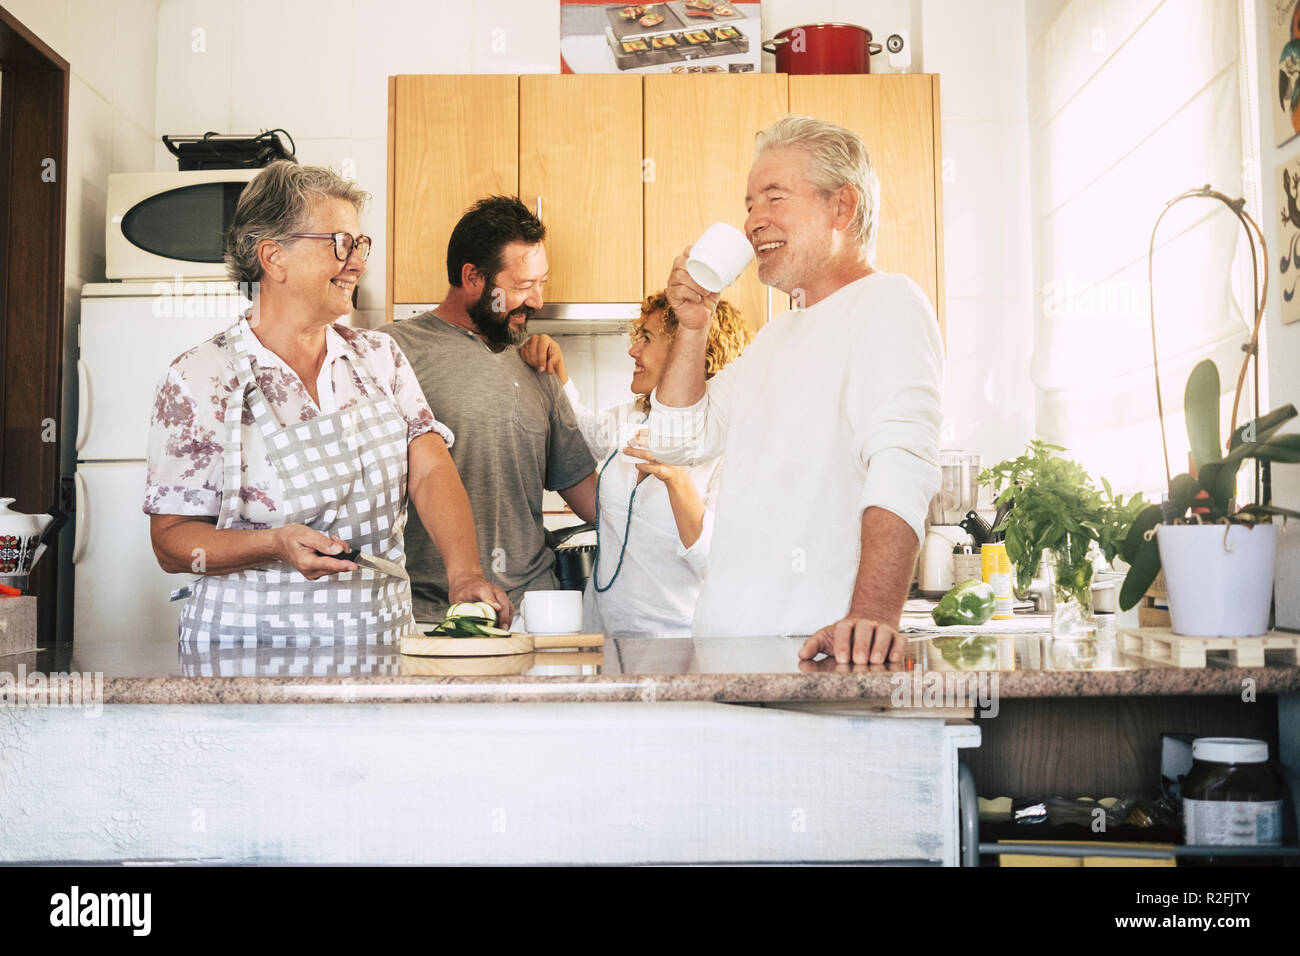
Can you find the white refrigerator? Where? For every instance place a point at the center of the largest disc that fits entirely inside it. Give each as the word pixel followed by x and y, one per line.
pixel 130 332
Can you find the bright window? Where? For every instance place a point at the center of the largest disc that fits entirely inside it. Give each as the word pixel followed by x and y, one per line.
pixel 1131 103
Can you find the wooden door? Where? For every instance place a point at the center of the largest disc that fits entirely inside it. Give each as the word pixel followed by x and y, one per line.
pixel 699 145
pixel 580 164
pixel 35 436
pixel 452 140
pixel 898 117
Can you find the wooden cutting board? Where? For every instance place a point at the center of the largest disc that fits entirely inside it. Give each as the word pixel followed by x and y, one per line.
pixel 502 666
pixel 418 645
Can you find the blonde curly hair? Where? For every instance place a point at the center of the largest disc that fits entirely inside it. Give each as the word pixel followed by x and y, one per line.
pixel 728 334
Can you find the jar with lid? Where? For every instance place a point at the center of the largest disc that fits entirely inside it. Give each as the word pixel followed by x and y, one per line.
pixel 1231 798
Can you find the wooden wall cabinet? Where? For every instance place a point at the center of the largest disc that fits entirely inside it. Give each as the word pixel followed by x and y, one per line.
pixel 630 169
pixel 580 170
pixel 569 144
pixel 699 136
pixel 897 115
pixel 451 141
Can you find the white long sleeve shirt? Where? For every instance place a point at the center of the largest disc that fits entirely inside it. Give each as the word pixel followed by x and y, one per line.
pixel 654 594
pixel 831 410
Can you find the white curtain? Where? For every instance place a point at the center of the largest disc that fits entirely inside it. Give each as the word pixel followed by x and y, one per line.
pixel 1131 103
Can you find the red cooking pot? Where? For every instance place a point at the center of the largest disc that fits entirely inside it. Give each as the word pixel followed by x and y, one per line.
pixel 823 48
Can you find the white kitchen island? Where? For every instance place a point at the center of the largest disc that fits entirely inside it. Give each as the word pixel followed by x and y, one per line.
pixel 673 751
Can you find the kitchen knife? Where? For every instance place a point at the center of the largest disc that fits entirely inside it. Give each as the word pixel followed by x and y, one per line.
pixel 1003 510
pixel 975 526
pixel 370 561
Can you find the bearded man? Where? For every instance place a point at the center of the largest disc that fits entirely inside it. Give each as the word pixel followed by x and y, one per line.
pixel 516 434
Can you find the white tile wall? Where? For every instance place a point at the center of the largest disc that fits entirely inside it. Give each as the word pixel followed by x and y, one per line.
pixel 194 65
pixel 370 160
pixel 580 362
pixel 294 69
pixel 511 36
pixel 91 121
pixel 981 46
pixel 986 217
pixel 90 50
pixel 135 55
pixel 988 406
pixel 979 52
pixel 132 146
pixel 390 39
pixel 48 19
pixel 602 370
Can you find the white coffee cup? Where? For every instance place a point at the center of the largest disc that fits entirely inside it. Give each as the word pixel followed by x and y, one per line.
pixel 719 257
pixel 552 612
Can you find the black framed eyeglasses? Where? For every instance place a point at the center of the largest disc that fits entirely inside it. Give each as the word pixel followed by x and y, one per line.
pixel 344 244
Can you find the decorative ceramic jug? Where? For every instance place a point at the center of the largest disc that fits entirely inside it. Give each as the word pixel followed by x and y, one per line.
pixel 20 535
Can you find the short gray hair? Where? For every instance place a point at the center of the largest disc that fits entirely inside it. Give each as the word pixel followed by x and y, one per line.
pixel 839 158
pixel 275 205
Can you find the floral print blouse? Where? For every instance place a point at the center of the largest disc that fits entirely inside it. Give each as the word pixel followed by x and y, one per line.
pixel 187 431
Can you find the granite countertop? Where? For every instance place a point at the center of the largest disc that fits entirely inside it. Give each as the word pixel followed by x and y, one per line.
pixel 1013 662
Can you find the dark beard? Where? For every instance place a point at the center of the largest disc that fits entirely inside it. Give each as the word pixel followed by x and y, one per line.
pixel 496 327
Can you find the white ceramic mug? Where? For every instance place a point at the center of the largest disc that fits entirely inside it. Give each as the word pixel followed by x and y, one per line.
pixel 719 257
pixel 552 612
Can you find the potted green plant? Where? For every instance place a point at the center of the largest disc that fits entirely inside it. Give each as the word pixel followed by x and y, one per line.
pixel 1058 510
pixel 1218 559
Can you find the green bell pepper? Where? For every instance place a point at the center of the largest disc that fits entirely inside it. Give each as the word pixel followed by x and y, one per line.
pixel 969 603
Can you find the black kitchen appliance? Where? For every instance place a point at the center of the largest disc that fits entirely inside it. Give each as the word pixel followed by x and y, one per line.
pixel 573 562
pixel 222 151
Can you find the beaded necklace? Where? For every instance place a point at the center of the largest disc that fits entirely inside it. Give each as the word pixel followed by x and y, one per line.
pixel 595 571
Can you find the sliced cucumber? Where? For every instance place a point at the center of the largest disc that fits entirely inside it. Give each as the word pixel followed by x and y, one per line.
pixel 464 627
pixel 488 610
pixel 464 609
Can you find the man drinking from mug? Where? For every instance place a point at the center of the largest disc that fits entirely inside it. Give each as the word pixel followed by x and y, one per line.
pixel 830 419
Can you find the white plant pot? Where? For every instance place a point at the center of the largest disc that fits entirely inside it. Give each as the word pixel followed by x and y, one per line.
pixel 1218 587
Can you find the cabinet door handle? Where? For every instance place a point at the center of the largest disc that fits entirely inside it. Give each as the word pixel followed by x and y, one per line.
pixel 539 207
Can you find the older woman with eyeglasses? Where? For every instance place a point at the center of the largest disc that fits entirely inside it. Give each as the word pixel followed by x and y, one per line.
pixel 290 441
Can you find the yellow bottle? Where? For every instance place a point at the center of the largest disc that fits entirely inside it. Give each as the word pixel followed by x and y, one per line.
pixel 996 568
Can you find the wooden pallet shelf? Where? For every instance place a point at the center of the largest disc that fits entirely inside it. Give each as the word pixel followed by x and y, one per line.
pixel 1162 644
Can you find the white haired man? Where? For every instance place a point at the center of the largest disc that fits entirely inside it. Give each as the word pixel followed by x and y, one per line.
pixel 830 419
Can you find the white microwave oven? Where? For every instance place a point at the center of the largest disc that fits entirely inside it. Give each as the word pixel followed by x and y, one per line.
pixel 161 225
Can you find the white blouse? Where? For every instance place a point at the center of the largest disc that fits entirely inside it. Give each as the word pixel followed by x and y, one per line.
pixel 655 592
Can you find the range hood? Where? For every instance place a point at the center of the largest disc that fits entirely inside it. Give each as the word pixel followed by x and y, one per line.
pixel 558 318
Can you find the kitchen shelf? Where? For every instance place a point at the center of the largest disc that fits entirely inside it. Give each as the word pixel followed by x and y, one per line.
pixel 971 848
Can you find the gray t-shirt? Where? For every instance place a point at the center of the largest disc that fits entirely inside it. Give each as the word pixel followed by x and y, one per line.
pixel 515 436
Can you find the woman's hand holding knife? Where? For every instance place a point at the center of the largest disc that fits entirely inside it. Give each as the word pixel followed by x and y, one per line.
pixel 309 551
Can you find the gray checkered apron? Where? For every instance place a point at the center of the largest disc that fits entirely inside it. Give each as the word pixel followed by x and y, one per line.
pixel 344 474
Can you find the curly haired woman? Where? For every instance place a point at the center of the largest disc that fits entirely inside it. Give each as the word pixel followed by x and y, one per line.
pixel 653 535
